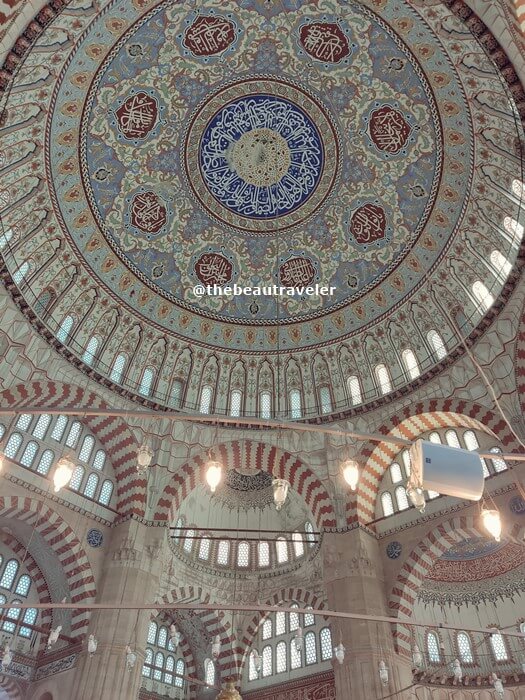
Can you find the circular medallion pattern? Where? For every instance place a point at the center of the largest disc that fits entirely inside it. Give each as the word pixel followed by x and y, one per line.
pixel 394 549
pixel 268 155
pixel 94 538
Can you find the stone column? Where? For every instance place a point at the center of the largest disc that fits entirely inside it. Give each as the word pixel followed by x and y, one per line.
pixel 353 576
pixel 131 575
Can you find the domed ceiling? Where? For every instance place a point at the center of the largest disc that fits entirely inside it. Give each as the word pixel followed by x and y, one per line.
pixel 357 146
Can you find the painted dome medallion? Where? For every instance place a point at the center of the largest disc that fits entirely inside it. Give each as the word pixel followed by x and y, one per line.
pixel 351 145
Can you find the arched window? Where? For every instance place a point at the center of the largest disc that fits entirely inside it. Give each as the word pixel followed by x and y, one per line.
pixel 23 585
pixel 159 665
pixel 209 668
pixel 401 498
pixel 152 633
pixel 91 486
pixel 472 444
pixel 395 473
pixel 325 638
pixel 282 550
pixel 434 655
pixel 325 399
pixel 263 554
pixel 12 614
pixel 499 648
pixel 235 403
pixel 293 619
pixel 29 454
pixel 204 548
pixel 148 659
pixel 354 390
pixel 383 379
pixel 21 273
pixel 59 428
pixel 295 656
pixel 13 445
pixel 280 623
pixel 100 459
pixel 243 555
pixel 482 295
pixel 76 479
pixel 410 362
pixel 147 381
pixel 188 540
pixel 45 298
pixel 267 667
pixel 29 618
pixel 170 666
pixel 180 671
pixel 310 648
pixel 252 671
pixel 90 351
pixel 176 393
pixel 162 639
pixel 105 493
pixel 9 575
pixel 46 460
pixel 465 648
pixel 310 536
pixel 452 438
pixel 309 618
pixel 296 411
pixel 265 405
pixel 267 628
pixel 5 237
pixel 118 369
pixel 87 447
pixel 387 504
pixel 514 228
pixel 405 456
pixel 437 344
pixel 206 396
pixel 178 528
pixel 223 552
pixel 280 657
pixel 24 421
pixel 74 434
pixel 298 544
pixel 501 265
pixel 435 438
pixel 498 463
pixel 42 424
pixel 65 329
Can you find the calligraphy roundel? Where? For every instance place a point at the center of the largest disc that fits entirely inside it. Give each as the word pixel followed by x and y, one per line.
pixel 261 155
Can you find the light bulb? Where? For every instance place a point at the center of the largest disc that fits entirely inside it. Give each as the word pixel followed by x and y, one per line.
pixel 92 644
pixel 144 457
pixel 351 473
pixel 340 653
pixel 280 492
pixel 417 656
pixel 63 473
pixel 213 474
pixel 131 657
pixel 383 673
pixel 492 523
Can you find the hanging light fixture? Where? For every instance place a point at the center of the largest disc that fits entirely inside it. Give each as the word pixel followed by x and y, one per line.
pixel 63 473
pixel 417 496
pixel 498 686
pixel 213 474
pixel 92 644
pixel 7 657
pixel 280 492
pixel 257 662
pixel 492 522
pixel 229 692
pixel 339 652
pixel 53 636
pixel 458 671
pixel 144 457
pixel 216 647
pixel 131 658
pixel 417 656
pixel 175 637
pixel 383 672
pixel 350 470
pixel 299 639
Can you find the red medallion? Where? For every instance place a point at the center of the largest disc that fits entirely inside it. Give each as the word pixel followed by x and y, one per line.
pixel 148 212
pixel 137 116
pixel 325 42
pixel 213 268
pixel 368 223
pixel 388 129
pixel 296 272
pixel 209 35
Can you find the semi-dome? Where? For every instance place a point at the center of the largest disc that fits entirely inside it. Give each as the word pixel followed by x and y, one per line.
pixel 360 147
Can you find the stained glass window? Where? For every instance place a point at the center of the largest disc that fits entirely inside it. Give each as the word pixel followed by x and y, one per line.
pixel 354 389
pixel 100 459
pixel 280 657
pixel 146 381
pixel 435 438
pixel 465 648
pixel 267 668
pixel 294 619
pixel 405 455
pixel 309 618
pixel 483 296
pixel 90 351
pixel 501 265
pixel 310 648
pixel 264 554
pixel 282 550
pixel 498 463
pixel 65 329
pixel 437 344
pixel 298 544
pixel 243 554
pixel 118 369
pixel 59 428
pixel 452 438
pixel 210 671
pixel 471 442
pixel 13 444
pixel 74 434
pixel 159 663
pixel 295 656
pixel 204 548
pixel 434 655
pixel 180 670
pixel 295 404
pixel 29 454
pixel 46 460
pixel 29 618
pixel 87 447
pixel 395 473
pixel 499 648
pixel 162 639
pixel 310 536
pixel 105 493
pixel 401 498
pixel 206 396
pixel 23 585
pixel 383 379
pixel 152 633
pixel 267 628
pixel 235 403
pixel 387 504
pixel 325 638
pixel 42 424
pixel 223 552
pixel 176 393
pixel 76 479
pixel 12 614
pixel 170 666
pixel 265 405
pixel 24 421
pixel 148 659
pixel 91 486
pixel 188 540
pixel 410 362
pixel 10 572
pixel 280 623
pixel 252 671
pixel 325 399
pixel 21 273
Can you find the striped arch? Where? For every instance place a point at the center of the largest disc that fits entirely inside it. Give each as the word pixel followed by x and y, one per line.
pixel 412 422
pixel 112 432
pixel 519 364
pixel 255 455
pixel 37 577
pixel 66 546
pixel 11 687
pixel 416 567
pixel 214 622
pixel 291 595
